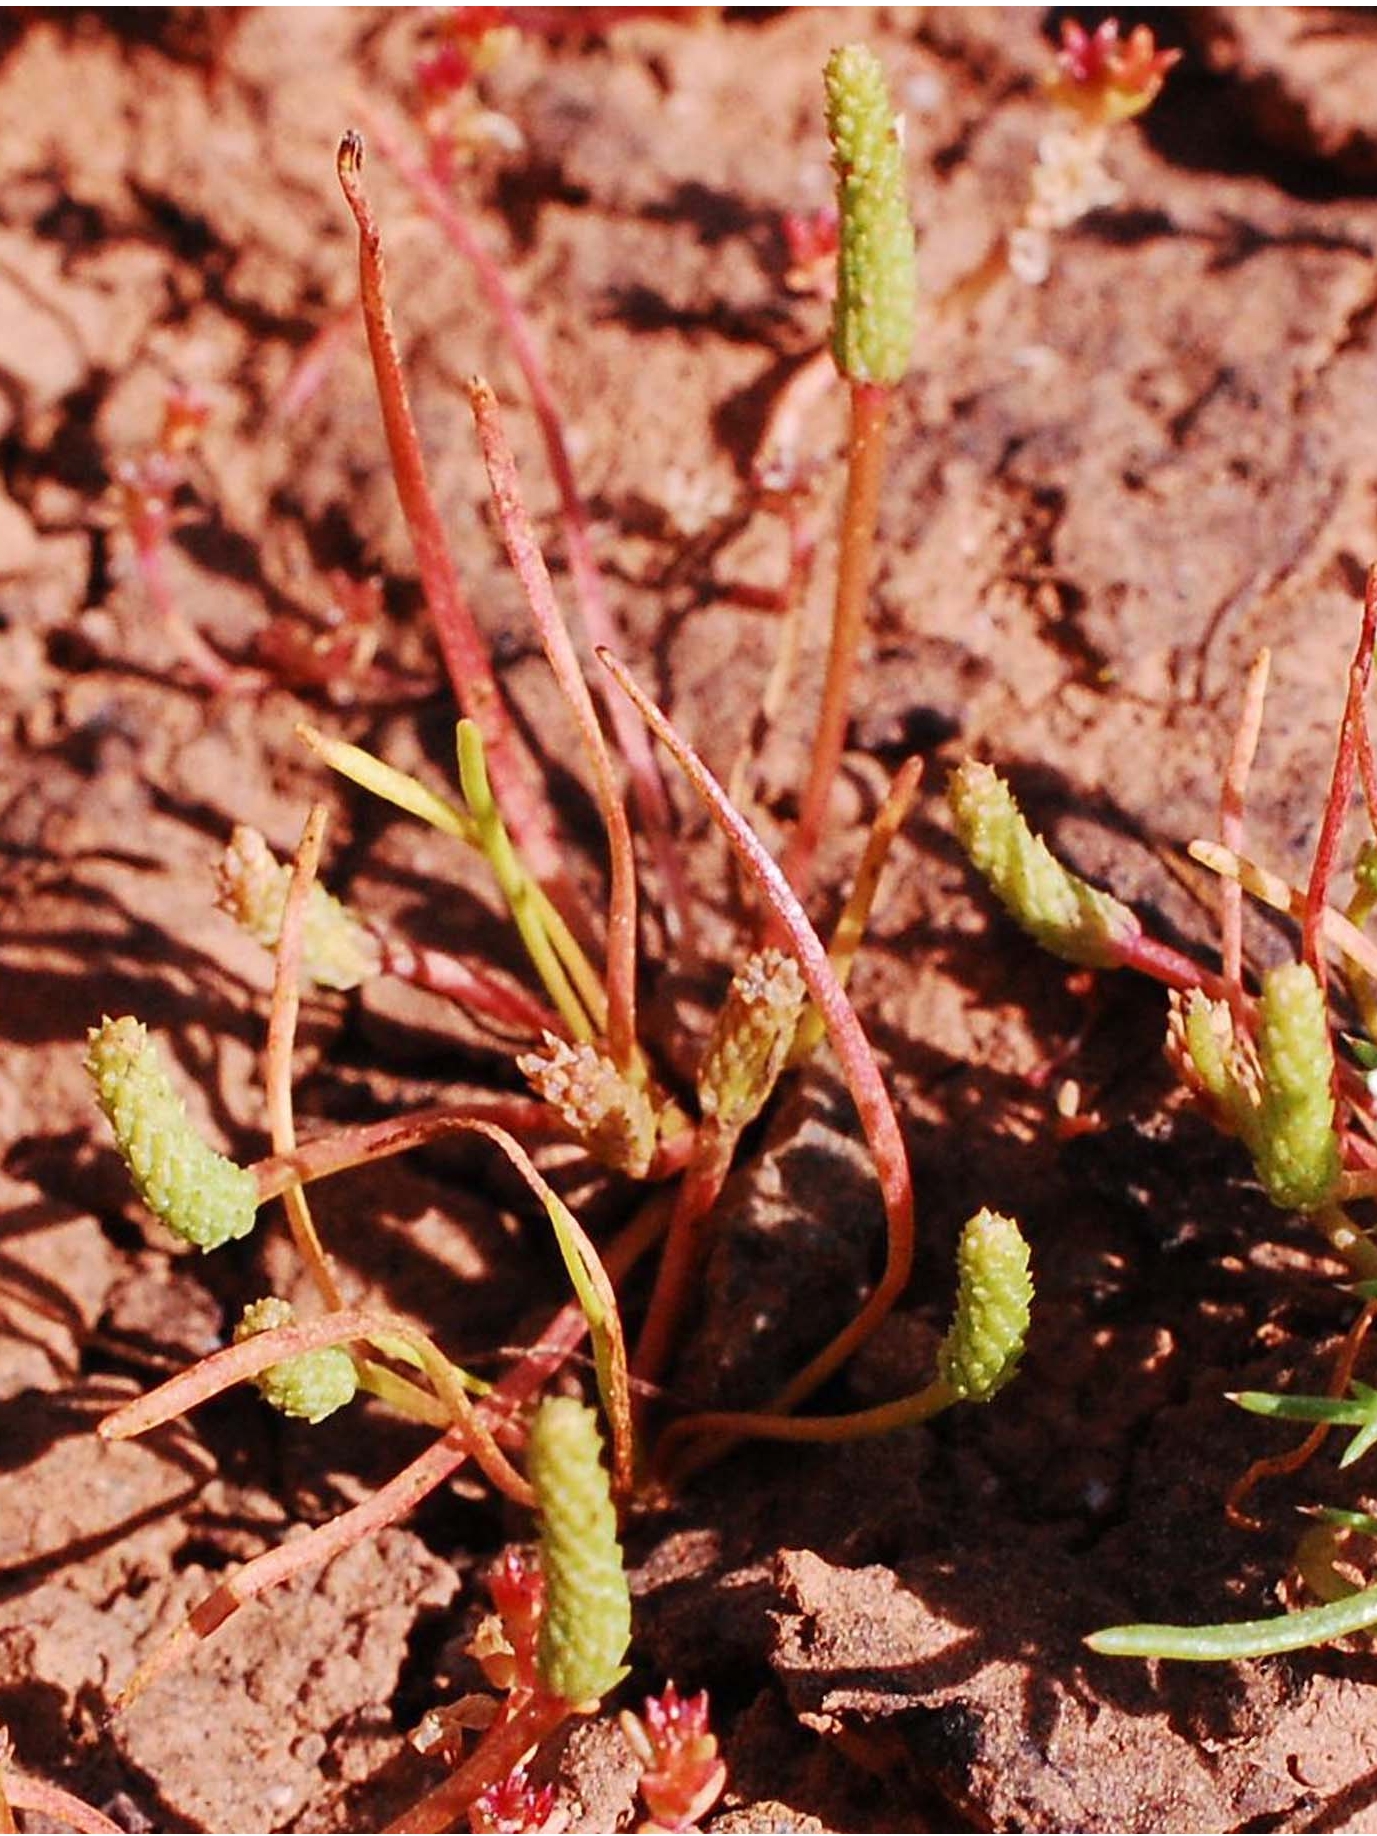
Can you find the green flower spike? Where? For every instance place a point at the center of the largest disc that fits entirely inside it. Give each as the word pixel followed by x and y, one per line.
pixel 309 1386
pixel 750 1043
pixel 251 885
pixel 1066 915
pixel 993 1300
pixel 200 1195
pixel 877 285
pixel 1279 1095
pixel 1296 1147
pixel 1206 1029
pixel 586 1626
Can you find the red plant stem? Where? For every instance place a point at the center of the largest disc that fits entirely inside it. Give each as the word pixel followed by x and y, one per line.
pixel 1277 1466
pixel 206 663
pixel 465 651
pixel 1171 967
pixel 786 602
pixel 366 1142
pixel 1231 810
pixel 251 1357
pixel 865 470
pixel 468 985
pixel 59 1807
pixel 682 1256
pixel 528 563
pixel 853 1050
pixel 311 369
pixel 501 1748
pixel 647 786
pixel 282 1017
pixel 1353 725
pixel 401 1493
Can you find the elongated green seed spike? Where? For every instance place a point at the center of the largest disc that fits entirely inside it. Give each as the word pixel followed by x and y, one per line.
pixel 877 293
pixel 309 1386
pixel 1067 915
pixel 200 1195
pixel 993 1301
pixel 750 1042
pixel 251 885
pixel 1296 1150
pixel 586 1626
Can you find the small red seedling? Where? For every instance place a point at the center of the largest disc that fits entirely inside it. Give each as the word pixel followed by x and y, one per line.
pixel 144 505
pixel 682 1773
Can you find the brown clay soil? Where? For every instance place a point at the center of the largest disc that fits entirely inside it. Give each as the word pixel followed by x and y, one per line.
pixel 1105 494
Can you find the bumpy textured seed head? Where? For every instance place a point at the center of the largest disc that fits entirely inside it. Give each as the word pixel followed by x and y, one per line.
pixel 751 1039
pixel 877 286
pixel 1296 1147
pixel 587 1623
pixel 1067 915
pixel 200 1195
pixel 1213 1058
pixel 1208 1033
pixel 613 1118
pixel 337 951
pixel 309 1386
pixel 993 1299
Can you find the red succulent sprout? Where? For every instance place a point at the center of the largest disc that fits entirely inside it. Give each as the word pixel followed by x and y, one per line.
pixel 471 39
pixel 1106 78
pixel 142 503
pixel 145 486
pixel 682 1772
pixel 335 652
pixel 810 247
pixel 513 1804
pixel 505 1643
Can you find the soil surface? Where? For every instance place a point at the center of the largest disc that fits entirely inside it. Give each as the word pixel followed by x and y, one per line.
pixel 1105 493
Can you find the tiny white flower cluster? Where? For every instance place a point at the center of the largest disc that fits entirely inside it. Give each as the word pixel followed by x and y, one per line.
pixel 1069 180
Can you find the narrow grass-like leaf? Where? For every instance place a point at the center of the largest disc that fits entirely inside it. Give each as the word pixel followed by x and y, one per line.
pixel 1248 1638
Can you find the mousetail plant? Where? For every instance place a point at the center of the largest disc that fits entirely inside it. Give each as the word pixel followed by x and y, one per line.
pixel 1262 1066
pixel 682 1773
pixel 205 1198
pixel 142 503
pixel 978 1357
pixel 580 1615
pixel 844 1031
pixel 872 337
pixel 343 949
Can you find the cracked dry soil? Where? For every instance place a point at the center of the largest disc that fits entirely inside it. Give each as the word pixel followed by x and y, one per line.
pixel 1105 494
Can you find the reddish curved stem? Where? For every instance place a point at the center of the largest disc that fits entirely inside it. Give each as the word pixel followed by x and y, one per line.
pixel 865 470
pixel 528 563
pixel 465 651
pixel 26 1793
pixel 853 1049
pixel 1352 733
pixel 652 802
